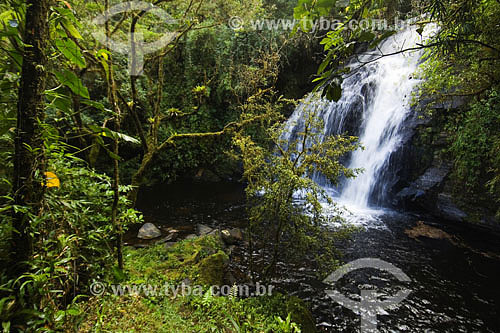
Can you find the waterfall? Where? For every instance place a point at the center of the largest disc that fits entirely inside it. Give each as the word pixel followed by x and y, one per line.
pixel 375 102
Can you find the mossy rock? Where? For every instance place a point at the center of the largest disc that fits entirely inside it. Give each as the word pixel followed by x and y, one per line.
pixel 300 314
pixel 174 275
pixel 193 258
pixel 212 268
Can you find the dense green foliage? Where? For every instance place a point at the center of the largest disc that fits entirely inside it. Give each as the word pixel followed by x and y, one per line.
pixel 100 128
pixel 463 66
pixel 199 312
pixel 294 226
pixel 209 95
pixel 73 245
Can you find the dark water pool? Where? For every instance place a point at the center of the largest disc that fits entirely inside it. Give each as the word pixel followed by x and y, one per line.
pixel 455 282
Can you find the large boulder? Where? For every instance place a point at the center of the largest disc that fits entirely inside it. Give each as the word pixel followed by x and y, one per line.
pixel 448 210
pixel 422 194
pixel 148 231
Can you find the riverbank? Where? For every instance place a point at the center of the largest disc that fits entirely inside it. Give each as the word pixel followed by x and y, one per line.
pixel 166 288
pixel 453 268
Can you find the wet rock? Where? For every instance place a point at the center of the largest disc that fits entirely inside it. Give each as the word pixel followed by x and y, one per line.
pixel 170 237
pixel 226 236
pixel 148 231
pixel 169 230
pixel 422 193
pixel 202 230
pixel 448 210
pixel 169 244
pixel 191 236
pixel 214 232
pixel 232 236
pixel 230 249
pixel 424 230
pixel 174 232
pixel 236 233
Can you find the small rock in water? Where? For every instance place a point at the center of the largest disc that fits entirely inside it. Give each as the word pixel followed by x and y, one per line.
pixel 202 229
pixel 424 230
pixel 236 233
pixel 226 237
pixel 232 236
pixel 148 231
pixel 169 237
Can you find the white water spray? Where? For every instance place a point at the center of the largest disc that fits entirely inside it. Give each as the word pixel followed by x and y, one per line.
pixel 375 102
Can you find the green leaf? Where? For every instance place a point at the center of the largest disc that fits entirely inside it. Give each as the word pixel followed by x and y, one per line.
pixel 63 104
pixel 73 312
pixel 325 63
pixel 366 36
pixel 96 105
pixel 123 137
pixel 70 80
pixel 333 91
pixel 67 14
pixel 104 56
pixel 113 155
pixel 119 274
pixel 71 51
pixel 6 326
pixel 113 134
pixel 71 29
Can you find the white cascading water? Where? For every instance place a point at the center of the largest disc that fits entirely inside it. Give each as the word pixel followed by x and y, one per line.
pixel 374 104
pixel 384 116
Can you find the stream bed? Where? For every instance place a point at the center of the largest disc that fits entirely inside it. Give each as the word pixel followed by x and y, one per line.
pixel 454 279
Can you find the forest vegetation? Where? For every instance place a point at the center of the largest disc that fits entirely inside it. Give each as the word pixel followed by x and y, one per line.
pixel 80 136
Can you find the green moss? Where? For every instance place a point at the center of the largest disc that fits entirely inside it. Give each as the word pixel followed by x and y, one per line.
pixel 300 314
pixel 158 264
pixel 202 260
pixel 211 269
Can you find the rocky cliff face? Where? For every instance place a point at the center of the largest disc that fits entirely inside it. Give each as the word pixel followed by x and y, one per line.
pixel 425 182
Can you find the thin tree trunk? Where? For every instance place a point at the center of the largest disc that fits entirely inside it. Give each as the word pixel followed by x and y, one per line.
pixel 28 159
pixel 116 170
pixel 138 176
pixel 114 210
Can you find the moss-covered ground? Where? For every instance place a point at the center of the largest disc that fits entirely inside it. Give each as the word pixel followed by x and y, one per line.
pixel 200 261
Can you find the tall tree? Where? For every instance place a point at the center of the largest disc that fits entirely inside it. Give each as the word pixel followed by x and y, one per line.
pixel 28 158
